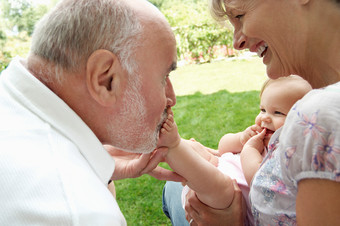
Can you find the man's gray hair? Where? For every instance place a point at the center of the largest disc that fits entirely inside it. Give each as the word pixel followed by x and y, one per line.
pixel 72 31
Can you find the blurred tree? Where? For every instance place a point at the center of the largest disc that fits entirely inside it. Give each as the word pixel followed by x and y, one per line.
pixel 157 3
pixel 21 15
pixel 17 20
pixel 198 36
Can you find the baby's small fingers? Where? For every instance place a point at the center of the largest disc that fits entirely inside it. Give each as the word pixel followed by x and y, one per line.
pixel 252 133
pixel 263 132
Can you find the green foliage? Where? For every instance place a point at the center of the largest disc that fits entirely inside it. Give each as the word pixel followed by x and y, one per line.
pixel 198 36
pixel 17 20
pixel 157 3
pixel 21 15
pixel 203 41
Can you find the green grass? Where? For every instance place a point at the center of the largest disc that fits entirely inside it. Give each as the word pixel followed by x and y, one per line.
pixel 231 75
pixel 213 99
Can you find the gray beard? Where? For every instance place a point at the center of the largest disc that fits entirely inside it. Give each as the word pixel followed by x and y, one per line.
pixel 128 130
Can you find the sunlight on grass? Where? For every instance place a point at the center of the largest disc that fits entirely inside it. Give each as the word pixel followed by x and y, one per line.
pixel 230 75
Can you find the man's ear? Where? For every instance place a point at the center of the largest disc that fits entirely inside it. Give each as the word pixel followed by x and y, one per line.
pixel 101 70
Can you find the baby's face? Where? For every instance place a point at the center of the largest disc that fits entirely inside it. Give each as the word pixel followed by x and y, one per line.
pixel 277 99
pixel 273 111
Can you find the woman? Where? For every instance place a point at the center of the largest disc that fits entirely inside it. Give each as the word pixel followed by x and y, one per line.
pixel 298 182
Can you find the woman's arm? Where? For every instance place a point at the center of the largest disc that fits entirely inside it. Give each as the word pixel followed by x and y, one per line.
pixel 318 202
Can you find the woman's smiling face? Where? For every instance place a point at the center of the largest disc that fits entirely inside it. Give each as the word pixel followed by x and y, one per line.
pixel 270 29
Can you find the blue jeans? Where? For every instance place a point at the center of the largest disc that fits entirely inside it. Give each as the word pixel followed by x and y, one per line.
pixel 172 204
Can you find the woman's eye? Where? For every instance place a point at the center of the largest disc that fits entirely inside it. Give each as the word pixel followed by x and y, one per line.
pixel 239 16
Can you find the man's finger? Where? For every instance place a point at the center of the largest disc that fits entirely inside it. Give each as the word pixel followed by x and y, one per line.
pixel 163 174
pixel 153 161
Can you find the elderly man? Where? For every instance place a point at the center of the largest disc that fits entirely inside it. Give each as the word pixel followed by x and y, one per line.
pixel 97 75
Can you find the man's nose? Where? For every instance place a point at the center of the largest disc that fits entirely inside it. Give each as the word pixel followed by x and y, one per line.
pixel 170 94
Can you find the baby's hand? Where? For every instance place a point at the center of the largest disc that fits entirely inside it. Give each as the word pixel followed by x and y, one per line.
pixel 256 141
pixel 249 133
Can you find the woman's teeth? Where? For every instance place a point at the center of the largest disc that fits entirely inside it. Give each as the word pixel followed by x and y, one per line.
pixel 261 51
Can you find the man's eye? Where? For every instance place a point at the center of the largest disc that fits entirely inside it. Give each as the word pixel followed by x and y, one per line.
pixel 239 16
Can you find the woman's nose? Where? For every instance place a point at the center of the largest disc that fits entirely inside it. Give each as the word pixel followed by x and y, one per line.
pixel 240 40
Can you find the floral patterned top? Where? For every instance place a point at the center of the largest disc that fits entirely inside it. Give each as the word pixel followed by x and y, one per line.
pixel 309 147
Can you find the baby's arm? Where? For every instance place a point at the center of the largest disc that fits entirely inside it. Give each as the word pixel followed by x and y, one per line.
pixel 212 187
pixel 251 157
pixel 233 142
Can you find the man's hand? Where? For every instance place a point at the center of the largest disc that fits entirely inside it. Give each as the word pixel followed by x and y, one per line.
pixel 201 214
pixel 132 165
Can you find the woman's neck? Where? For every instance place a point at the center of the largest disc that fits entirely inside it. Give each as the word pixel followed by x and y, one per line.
pixel 324 44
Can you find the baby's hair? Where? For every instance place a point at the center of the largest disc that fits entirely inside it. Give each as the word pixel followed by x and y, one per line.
pixel 290 77
pixel 264 85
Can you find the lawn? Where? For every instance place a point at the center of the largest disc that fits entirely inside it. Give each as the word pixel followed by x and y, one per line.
pixel 212 99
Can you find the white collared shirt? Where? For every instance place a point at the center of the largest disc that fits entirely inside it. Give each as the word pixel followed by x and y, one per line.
pixel 53 169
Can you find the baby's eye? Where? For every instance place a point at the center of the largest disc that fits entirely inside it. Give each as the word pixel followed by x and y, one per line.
pixel 279 113
pixel 263 110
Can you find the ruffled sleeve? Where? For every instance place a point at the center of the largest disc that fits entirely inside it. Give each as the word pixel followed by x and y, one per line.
pixel 310 139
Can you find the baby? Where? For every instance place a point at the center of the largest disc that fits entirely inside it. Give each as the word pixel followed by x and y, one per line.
pixel 209 175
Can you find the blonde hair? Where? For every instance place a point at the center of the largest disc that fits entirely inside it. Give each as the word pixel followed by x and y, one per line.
pixel 303 88
pixel 218 9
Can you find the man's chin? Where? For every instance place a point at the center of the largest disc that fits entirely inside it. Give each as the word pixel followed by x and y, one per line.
pixel 141 149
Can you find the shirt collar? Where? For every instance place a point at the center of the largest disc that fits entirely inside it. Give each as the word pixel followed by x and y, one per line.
pixel 34 95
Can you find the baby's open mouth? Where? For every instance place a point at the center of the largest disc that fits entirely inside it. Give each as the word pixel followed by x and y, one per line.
pixel 269 132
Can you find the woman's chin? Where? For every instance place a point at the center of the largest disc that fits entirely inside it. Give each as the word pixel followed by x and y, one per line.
pixel 275 72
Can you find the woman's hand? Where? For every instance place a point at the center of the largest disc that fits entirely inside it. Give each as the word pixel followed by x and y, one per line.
pixel 201 214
